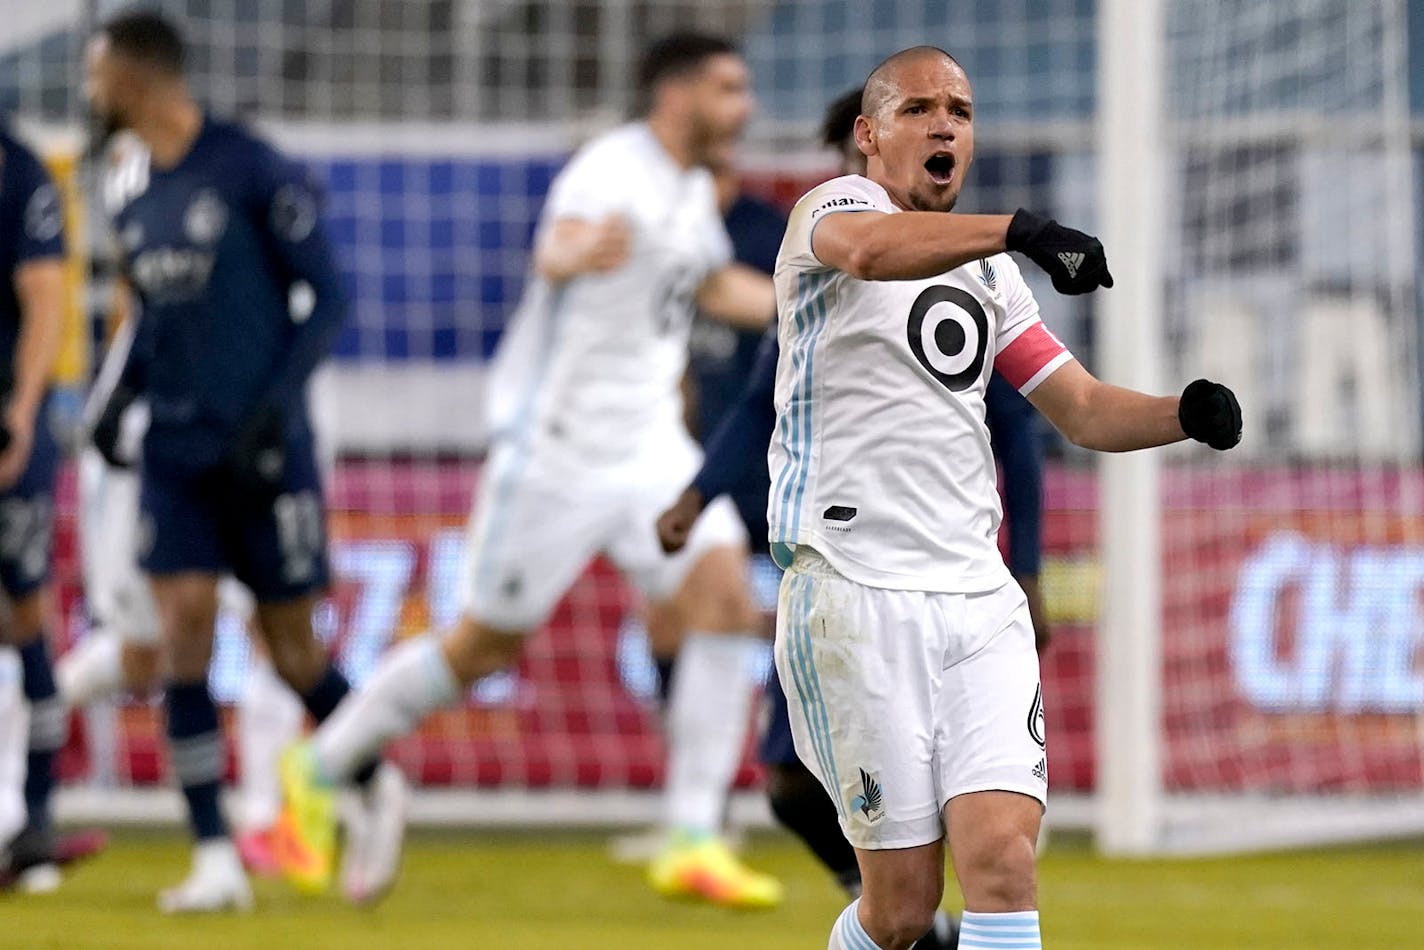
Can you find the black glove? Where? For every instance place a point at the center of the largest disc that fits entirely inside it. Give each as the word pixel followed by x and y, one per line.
pixel 1210 413
pixel 1074 260
pixel 109 428
pixel 257 461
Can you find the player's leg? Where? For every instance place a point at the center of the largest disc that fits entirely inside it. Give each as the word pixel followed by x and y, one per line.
pixel 530 535
pixel 278 550
pixel 710 705
pixel 122 651
pixel 187 611
pixel 860 668
pixel 14 742
pixel 990 746
pixel 270 718
pixel 183 556
pixel 26 533
pixel 797 799
pixel 48 722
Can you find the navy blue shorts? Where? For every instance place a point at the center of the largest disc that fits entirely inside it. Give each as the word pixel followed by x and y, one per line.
pixel 27 517
pixel 198 522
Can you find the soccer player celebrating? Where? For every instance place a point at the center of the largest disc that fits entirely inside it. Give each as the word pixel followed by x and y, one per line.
pixel 589 447
pixel 31 320
pixel 906 646
pixel 239 300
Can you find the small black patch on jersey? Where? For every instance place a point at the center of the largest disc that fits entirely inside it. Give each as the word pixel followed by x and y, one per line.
pixel 839 513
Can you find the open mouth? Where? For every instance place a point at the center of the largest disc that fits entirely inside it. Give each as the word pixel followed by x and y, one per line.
pixel 941 167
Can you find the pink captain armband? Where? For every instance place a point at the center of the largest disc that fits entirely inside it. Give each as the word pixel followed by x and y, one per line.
pixel 1031 357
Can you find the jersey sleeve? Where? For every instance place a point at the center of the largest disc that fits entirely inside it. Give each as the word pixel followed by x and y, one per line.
pixel 38 228
pixel 849 193
pixel 1025 351
pixel 589 187
pixel 742 437
pixel 288 206
pixel 716 241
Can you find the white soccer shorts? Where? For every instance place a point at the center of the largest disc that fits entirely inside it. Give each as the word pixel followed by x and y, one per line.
pixel 901 700
pixel 539 519
pixel 117 590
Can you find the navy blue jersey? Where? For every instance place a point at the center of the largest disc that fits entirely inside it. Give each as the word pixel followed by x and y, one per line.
pixel 736 452
pixel 31 228
pixel 721 358
pixel 240 297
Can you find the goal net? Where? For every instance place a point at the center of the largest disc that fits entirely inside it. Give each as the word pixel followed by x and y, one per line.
pixel 1289 611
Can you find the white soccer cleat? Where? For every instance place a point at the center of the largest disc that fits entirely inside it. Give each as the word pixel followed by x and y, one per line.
pixel 40 879
pixel 375 834
pixel 216 884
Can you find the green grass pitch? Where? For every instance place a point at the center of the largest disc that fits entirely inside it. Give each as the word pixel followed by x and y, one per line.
pixel 560 891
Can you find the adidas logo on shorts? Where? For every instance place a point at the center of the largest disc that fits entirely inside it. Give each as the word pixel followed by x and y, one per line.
pixel 1040 771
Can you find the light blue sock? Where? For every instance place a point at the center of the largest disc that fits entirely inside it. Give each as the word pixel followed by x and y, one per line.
pixel 848 934
pixel 1013 931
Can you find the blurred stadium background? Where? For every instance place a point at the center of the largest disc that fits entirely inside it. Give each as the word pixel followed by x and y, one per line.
pixel 1239 652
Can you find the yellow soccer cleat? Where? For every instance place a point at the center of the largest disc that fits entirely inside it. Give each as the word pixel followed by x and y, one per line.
pixel 704 868
pixel 304 838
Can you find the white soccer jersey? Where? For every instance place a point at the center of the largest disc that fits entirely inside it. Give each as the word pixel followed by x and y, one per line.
pixel 595 364
pixel 881 457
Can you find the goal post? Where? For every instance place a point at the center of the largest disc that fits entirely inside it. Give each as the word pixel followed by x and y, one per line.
pixel 1132 56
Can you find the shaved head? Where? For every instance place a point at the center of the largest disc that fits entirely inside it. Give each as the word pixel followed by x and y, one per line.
pixel 916 128
pixel 882 86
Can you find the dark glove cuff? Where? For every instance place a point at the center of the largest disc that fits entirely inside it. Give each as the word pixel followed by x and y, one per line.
pixel 1023 228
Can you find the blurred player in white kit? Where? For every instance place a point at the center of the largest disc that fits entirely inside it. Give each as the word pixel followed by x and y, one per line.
pixel 589 447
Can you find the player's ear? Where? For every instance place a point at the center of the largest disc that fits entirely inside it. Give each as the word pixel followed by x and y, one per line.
pixel 865 137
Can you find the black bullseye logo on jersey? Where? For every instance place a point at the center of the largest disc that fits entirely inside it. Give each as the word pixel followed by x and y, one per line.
pixel 1035 719
pixel 949 334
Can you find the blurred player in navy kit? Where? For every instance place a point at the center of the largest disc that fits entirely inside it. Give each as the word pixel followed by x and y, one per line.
pixel 239 299
pixel 31 322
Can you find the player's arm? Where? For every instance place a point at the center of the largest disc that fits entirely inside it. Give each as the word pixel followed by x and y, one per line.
pixel 121 379
pixel 739 442
pixel 915 245
pixel 297 237
pixel 572 247
pixel 739 296
pixel 1020 453
pixel 1106 418
pixel 39 287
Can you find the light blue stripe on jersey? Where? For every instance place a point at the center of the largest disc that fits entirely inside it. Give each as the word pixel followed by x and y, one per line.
pixel 816 715
pixel 501 497
pixel 787 421
pixel 817 306
pixel 809 310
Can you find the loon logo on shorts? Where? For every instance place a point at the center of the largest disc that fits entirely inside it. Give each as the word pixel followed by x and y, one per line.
pixel 870 802
pixel 1035 719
